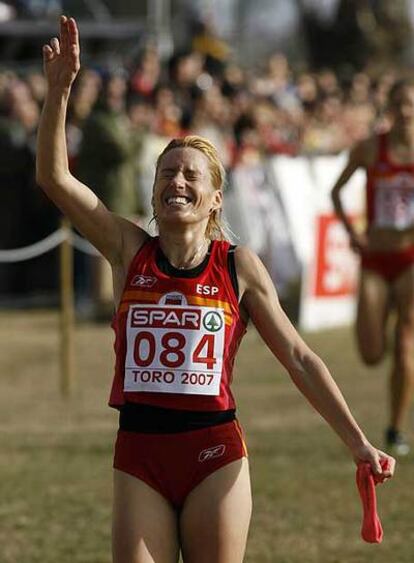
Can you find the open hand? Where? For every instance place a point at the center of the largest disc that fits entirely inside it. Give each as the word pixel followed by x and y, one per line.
pixel 61 57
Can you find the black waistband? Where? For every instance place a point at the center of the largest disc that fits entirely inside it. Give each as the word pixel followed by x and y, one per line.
pixel 135 417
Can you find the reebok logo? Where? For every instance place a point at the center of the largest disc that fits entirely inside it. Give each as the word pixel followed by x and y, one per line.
pixel 211 453
pixel 143 281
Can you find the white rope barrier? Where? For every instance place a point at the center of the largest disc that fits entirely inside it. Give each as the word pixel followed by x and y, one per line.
pixel 84 245
pixel 67 240
pixel 47 244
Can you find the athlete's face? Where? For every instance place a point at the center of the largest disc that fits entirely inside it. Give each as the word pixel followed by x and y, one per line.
pixel 183 192
pixel 402 107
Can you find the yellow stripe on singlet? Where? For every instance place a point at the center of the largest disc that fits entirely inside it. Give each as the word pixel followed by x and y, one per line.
pixel 205 302
pixel 135 294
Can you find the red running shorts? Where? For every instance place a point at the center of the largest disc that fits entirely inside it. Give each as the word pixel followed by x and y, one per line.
pixel 174 464
pixel 388 265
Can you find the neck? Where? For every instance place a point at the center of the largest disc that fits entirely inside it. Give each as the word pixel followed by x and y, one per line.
pixel 185 249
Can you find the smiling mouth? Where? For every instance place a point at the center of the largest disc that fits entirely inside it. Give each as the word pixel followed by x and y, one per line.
pixel 178 200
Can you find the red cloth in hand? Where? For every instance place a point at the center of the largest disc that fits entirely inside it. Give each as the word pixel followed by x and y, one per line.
pixel 371 530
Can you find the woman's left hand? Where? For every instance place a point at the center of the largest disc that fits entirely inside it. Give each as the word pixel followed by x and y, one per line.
pixel 377 459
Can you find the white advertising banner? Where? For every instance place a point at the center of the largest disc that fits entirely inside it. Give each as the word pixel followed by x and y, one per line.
pixel 296 187
pixel 330 268
pixel 243 206
pixel 253 208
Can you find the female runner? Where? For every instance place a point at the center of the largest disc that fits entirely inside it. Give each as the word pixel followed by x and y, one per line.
pixel 387 253
pixel 181 475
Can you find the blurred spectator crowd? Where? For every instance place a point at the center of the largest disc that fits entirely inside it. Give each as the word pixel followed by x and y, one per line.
pixel 119 120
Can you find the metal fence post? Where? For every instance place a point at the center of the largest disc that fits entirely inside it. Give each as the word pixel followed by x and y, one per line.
pixel 66 314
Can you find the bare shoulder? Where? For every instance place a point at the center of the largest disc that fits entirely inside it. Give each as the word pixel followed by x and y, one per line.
pixel 364 153
pixel 133 237
pixel 251 272
pixel 246 260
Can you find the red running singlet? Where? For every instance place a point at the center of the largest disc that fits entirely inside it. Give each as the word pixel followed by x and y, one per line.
pixel 175 336
pixel 390 203
pixel 390 190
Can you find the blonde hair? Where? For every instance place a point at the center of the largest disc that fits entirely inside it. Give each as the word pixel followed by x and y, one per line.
pixel 216 229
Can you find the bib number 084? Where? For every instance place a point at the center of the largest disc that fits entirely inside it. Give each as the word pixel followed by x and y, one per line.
pixel 172 353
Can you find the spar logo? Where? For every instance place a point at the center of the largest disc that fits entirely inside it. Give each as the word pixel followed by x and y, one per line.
pixel 166 317
pixel 143 281
pixel 212 321
pixel 211 453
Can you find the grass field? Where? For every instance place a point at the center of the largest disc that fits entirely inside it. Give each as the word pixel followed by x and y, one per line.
pixel 56 455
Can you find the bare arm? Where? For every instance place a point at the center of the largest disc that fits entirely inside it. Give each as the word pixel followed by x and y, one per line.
pixel 306 369
pixel 357 159
pixel 104 229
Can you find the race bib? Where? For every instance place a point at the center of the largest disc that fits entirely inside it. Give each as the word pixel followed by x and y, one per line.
pixel 394 204
pixel 174 348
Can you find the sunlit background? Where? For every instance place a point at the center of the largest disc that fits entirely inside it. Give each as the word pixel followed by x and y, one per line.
pixel 283 88
pixel 261 79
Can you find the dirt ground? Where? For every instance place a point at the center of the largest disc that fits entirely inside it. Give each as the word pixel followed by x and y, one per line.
pixel 56 453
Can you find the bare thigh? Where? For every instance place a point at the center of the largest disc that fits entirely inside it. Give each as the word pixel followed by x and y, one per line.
pixel 144 526
pixel 403 293
pixel 372 315
pixel 216 515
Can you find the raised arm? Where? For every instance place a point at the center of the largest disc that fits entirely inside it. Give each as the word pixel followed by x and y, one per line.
pixel 102 228
pixel 307 370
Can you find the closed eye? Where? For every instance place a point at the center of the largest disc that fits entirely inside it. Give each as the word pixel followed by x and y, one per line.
pixel 191 176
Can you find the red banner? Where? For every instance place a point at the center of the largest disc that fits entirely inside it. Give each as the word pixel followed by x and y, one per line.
pixel 336 265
